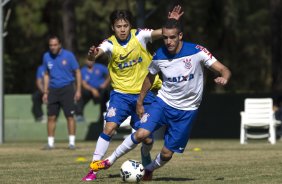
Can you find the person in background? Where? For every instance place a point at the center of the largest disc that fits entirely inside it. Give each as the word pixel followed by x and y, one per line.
pixel 37 96
pixel 95 86
pixel 62 88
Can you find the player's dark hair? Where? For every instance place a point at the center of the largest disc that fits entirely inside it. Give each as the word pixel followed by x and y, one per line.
pixel 121 14
pixel 51 37
pixel 173 23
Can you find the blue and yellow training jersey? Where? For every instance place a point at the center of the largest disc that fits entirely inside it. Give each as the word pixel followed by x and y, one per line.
pixel 128 66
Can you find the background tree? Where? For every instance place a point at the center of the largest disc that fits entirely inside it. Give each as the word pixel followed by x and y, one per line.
pixel 24 45
pixel 276 51
pixel 69 24
pixel 244 35
pixel 140 7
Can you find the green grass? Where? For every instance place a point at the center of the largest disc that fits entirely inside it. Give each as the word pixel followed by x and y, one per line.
pixel 219 161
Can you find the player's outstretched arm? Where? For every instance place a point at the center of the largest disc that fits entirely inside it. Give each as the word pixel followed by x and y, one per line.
pixel 176 13
pixel 147 84
pixel 223 71
pixel 94 53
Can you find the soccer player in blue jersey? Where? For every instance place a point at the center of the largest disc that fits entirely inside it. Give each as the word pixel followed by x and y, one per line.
pixel 95 84
pixel 37 95
pixel 181 64
pixel 62 87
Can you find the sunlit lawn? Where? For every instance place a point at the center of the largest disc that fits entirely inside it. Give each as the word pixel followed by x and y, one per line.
pixel 213 161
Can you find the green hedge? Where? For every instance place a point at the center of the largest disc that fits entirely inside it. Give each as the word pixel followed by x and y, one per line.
pixel 19 124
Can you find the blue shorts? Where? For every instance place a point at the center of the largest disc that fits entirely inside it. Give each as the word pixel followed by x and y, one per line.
pixel 123 105
pixel 178 124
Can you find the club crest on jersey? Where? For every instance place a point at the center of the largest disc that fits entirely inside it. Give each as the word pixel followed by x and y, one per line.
pixel 97 72
pixel 111 112
pixel 64 62
pixel 144 118
pixel 187 63
pixel 87 77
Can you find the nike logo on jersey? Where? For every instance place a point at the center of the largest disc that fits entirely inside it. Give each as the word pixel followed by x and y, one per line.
pixel 123 57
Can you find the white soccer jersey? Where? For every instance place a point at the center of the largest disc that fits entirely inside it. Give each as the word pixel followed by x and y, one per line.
pixel 143 35
pixel 183 75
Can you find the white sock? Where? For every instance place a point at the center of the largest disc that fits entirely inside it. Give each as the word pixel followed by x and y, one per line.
pixel 146 148
pixel 122 149
pixel 157 163
pixel 101 148
pixel 71 139
pixel 51 141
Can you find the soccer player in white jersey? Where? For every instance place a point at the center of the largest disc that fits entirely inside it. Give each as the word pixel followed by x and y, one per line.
pixel 182 66
pixel 128 67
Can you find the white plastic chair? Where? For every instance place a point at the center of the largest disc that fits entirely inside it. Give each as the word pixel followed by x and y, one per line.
pixel 258 113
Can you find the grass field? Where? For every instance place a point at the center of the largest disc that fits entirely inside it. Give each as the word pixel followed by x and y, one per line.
pixel 217 161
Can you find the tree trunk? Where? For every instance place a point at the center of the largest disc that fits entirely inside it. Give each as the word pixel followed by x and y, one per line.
pixel 140 13
pixel 275 9
pixel 69 25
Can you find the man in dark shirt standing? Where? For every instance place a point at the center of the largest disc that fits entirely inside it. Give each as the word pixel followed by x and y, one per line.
pixel 61 71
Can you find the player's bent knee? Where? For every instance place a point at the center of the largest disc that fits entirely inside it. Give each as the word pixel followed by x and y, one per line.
pixel 141 134
pixel 110 129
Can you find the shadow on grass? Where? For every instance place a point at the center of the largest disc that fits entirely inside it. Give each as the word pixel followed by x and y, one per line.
pixel 159 179
pixel 173 179
pixel 114 175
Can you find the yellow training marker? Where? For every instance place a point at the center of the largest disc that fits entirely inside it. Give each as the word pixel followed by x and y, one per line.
pixel 81 159
pixel 197 149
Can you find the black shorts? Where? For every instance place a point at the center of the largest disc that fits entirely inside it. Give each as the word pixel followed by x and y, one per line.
pixel 61 97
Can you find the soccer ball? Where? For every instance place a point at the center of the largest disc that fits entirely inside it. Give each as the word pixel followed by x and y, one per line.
pixel 132 171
